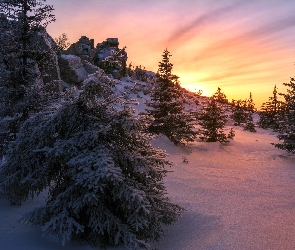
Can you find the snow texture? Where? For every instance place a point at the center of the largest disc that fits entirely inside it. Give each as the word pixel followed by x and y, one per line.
pixel 237 196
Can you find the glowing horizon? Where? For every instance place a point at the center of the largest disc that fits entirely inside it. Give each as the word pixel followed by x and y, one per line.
pixel 239 46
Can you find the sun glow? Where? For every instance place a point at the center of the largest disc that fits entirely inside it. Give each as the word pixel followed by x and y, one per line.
pixel 192 83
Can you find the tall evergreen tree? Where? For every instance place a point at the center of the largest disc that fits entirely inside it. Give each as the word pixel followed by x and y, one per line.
pixel 212 120
pixel 105 180
pixel 287 120
pixel 28 17
pixel 20 51
pixel 167 105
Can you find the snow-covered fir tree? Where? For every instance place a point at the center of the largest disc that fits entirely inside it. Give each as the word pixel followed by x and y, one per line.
pixel 21 21
pixel 104 178
pixel 212 120
pixel 167 106
pixel 287 122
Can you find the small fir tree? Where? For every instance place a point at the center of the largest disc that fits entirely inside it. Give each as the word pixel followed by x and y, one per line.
pixel 250 126
pixel 239 114
pixel 212 120
pixel 219 96
pixel 271 111
pixel 105 180
pixel 62 42
pixel 287 121
pixel 167 105
pixel 250 104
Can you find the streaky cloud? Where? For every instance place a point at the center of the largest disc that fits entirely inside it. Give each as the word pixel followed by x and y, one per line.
pixel 267 33
pixel 203 19
pixel 272 28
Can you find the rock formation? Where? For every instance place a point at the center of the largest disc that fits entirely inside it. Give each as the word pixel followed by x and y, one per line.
pixel 106 55
pixel 48 67
pixel 112 59
pixel 74 70
pixel 84 48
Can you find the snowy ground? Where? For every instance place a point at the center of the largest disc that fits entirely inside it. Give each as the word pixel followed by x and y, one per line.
pixel 238 196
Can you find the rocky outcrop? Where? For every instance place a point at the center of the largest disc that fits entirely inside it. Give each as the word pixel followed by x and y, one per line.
pixel 106 55
pixel 74 70
pixel 84 48
pixel 71 69
pixel 90 68
pixel 112 59
pixel 48 66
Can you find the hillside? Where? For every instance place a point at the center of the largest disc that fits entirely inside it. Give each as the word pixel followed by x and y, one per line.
pixel 236 196
pixel 239 196
pixel 98 152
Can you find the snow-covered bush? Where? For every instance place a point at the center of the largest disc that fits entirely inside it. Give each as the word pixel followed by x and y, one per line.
pixel 105 179
pixel 115 62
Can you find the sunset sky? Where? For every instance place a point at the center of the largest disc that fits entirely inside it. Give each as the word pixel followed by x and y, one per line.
pixel 240 46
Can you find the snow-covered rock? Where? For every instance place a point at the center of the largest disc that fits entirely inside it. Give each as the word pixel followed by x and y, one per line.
pixel 49 67
pixel 90 68
pixel 72 69
pixel 112 59
pixel 84 48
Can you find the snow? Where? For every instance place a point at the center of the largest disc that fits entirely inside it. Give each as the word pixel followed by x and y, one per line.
pixel 239 196
pixel 236 196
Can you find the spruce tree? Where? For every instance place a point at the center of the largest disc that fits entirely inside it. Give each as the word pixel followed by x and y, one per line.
pixel 219 96
pixel 250 109
pixel 167 105
pixel 239 115
pixel 104 178
pixel 269 115
pixel 212 120
pixel 249 126
pixel 287 120
pixel 20 52
pixel 28 17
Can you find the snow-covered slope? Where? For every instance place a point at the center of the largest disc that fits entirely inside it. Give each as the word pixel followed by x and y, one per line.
pixel 236 196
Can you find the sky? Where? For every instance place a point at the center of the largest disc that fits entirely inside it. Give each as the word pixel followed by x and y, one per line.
pixel 241 46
